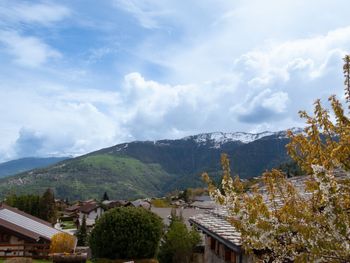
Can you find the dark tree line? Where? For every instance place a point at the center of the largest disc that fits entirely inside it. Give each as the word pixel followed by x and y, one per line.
pixel 40 206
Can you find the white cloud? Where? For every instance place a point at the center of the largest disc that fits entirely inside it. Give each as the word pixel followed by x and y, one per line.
pixel 146 12
pixel 229 66
pixel 27 50
pixel 44 13
pixel 44 121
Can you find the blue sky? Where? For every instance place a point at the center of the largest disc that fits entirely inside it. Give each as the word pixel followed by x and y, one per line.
pixel 81 75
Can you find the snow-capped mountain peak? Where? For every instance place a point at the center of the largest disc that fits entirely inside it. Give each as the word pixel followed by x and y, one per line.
pixel 220 138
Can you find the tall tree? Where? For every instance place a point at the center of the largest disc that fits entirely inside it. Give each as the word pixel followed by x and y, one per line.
pixel 82 233
pixel 285 224
pixel 105 197
pixel 26 203
pixel 178 243
pixel 47 206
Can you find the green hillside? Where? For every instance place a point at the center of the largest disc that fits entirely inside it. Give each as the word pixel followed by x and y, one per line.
pixel 146 169
pixel 90 176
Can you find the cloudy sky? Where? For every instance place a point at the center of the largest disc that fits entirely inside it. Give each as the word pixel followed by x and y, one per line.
pixel 81 75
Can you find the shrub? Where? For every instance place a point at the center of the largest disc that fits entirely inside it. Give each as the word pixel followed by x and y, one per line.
pixel 62 243
pixel 178 243
pixel 126 233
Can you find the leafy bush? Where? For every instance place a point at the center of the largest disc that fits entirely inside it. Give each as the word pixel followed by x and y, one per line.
pixel 62 243
pixel 126 233
pixel 178 243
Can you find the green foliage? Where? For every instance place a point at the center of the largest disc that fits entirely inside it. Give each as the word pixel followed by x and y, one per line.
pixel 35 205
pixel 82 234
pixel 178 243
pixel 105 197
pixel 47 206
pixel 291 169
pixel 89 176
pixel 126 233
pixel 26 203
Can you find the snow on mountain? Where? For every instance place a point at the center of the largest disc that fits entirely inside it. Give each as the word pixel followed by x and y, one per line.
pixel 220 138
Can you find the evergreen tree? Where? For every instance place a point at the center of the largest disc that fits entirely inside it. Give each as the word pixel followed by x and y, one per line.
pixel 105 197
pixel 26 203
pixel 48 206
pixel 178 243
pixel 82 233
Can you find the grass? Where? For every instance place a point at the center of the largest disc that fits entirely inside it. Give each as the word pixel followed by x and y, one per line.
pixel 160 203
pixel 68 225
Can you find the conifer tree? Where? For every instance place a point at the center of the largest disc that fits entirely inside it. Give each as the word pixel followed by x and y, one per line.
pixel 48 207
pixel 105 197
pixel 82 233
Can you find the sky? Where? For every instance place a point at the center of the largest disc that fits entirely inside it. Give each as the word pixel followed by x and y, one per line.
pixel 78 76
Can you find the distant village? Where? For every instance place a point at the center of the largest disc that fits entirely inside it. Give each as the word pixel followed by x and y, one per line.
pixel 23 235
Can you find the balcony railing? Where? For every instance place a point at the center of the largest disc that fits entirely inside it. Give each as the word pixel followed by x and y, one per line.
pixel 36 251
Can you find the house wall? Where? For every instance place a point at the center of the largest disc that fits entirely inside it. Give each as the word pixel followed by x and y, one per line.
pixel 215 252
pixel 8 250
pixel 93 214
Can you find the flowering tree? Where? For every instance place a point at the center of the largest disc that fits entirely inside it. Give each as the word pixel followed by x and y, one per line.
pixel 282 222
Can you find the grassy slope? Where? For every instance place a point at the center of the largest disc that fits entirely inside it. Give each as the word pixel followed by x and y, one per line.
pixel 90 176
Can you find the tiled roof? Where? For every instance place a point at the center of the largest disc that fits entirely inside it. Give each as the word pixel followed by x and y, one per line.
pixel 204 204
pixel 87 208
pixel 73 208
pixel 214 223
pixel 25 224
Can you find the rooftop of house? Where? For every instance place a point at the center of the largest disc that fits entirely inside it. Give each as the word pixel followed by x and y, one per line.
pixel 215 224
pixel 25 224
pixel 88 207
pixel 202 198
pixel 204 204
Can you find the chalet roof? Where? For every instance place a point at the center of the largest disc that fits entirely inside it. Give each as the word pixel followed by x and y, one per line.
pixel 204 204
pixel 73 208
pixel 214 224
pixel 141 203
pixel 87 208
pixel 202 198
pixel 25 224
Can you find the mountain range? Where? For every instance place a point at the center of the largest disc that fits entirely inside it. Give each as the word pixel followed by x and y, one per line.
pixel 26 164
pixel 153 168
